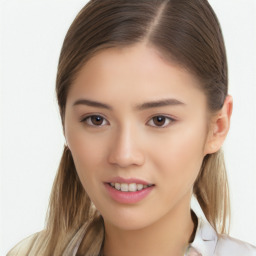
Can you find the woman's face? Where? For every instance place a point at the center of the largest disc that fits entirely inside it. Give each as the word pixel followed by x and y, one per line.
pixel 136 122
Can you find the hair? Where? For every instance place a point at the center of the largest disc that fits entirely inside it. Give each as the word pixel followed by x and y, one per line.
pixel 186 32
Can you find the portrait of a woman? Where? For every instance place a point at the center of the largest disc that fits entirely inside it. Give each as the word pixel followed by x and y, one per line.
pixel 142 89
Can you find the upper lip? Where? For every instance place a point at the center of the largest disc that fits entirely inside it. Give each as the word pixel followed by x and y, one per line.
pixel 128 181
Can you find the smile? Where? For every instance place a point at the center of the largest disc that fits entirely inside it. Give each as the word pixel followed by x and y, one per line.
pixel 126 187
pixel 129 192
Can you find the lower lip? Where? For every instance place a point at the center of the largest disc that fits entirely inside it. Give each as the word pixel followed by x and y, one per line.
pixel 127 197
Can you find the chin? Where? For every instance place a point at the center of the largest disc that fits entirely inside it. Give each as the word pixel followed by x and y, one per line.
pixel 129 219
pixel 128 224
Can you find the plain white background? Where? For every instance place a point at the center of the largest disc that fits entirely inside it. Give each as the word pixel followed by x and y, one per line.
pixel 32 32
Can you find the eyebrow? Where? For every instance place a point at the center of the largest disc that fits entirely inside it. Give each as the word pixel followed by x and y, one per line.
pixel 146 105
pixel 92 103
pixel 159 103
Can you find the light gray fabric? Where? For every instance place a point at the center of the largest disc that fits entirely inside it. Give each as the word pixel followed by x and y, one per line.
pixel 208 243
pixel 24 246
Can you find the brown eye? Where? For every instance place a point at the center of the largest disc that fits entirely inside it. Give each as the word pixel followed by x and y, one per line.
pixel 95 120
pixel 160 121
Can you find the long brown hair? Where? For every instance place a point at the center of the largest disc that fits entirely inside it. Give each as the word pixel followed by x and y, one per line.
pixel 184 31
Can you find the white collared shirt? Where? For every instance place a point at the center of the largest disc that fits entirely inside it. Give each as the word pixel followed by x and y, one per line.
pixel 208 243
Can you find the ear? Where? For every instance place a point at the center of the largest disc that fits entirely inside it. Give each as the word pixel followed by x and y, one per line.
pixel 219 127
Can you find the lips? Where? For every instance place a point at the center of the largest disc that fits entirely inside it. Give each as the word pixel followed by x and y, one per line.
pixel 128 191
pixel 128 181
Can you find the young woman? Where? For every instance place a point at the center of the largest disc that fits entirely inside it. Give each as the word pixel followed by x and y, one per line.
pixel 142 89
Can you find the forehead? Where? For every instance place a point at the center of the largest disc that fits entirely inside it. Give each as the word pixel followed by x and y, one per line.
pixel 134 73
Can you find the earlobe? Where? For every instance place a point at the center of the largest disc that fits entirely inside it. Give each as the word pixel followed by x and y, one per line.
pixel 66 142
pixel 219 127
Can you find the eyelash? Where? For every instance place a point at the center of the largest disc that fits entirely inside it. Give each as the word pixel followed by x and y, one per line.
pixel 164 117
pixel 88 121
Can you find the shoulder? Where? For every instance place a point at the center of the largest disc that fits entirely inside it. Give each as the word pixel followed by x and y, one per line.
pixel 227 245
pixel 208 243
pixel 23 247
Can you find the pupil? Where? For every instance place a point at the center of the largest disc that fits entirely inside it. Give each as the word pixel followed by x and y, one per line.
pixel 159 120
pixel 97 120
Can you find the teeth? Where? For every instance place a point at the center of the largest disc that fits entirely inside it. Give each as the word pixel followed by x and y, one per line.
pixel 139 186
pixel 132 187
pixel 124 187
pixel 117 186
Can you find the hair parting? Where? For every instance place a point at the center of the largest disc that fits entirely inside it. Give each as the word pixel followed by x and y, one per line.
pixel 184 31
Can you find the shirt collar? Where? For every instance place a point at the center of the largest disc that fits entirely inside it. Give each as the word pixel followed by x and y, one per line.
pixel 205 239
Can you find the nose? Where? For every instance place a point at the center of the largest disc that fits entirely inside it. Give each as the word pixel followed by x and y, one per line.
pixel 125 150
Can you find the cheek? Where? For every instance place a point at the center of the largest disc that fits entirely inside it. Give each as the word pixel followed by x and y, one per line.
pixel 181 154
pixel 88 159
pixel 88 152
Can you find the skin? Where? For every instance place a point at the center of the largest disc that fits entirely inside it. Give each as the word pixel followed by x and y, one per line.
pixel 130 143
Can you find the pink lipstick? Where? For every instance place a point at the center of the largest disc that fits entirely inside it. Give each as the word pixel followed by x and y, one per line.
pixel 128 191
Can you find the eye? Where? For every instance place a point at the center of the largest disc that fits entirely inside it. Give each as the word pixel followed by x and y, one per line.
pixel 160 121
pixel 95 120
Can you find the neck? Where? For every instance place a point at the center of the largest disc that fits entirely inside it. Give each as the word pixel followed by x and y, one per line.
pixel 168 236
